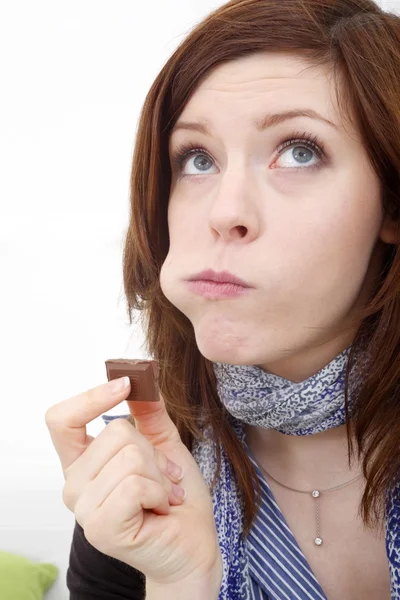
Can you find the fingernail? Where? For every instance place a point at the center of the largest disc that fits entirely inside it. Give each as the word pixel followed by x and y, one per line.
pixel 117 385
pixel 179 492
pixel 174 470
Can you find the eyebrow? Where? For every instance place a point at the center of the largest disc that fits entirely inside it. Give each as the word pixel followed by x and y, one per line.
pixel 268 120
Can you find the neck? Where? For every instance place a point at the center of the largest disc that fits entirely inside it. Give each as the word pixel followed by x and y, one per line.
pixel 303 462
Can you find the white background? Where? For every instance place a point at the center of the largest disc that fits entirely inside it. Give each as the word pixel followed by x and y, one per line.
pixel 73 77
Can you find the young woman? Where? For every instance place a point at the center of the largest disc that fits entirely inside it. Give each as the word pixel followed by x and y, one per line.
pixel 262 250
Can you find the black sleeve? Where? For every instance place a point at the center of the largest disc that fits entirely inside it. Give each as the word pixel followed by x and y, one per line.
pixel 92 575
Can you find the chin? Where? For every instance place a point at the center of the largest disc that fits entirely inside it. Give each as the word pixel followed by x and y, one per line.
pixel 226 352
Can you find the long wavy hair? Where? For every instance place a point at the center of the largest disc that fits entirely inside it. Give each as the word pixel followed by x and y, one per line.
pixel 360 44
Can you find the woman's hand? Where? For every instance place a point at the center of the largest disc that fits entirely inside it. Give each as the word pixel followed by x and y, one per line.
pixel 119 488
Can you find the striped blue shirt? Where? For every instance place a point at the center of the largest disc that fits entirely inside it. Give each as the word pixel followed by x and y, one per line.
pixel 278 568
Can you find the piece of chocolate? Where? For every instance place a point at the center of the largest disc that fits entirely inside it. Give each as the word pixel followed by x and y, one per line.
pixel 143 375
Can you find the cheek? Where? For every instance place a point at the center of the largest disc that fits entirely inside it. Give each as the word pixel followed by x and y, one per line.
pixel 167 281
pixel 170 280
pixel 346 212
pixel 186 210
pixel 166 274
pixel 354 219
pixel 181 238
pixel 322 249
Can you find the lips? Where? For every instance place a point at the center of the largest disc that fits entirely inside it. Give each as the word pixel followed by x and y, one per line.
pixel 221 277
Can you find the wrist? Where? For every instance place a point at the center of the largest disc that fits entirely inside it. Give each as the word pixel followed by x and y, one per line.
pixel 188 589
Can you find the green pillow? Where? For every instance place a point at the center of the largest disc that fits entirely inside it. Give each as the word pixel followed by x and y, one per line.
pixel 22 579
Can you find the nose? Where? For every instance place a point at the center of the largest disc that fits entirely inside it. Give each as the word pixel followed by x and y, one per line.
pixel 233 213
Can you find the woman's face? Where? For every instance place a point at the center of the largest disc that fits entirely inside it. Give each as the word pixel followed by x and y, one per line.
pixel 304 228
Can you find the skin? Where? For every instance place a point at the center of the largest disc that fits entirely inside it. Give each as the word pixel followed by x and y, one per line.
pixel 309 241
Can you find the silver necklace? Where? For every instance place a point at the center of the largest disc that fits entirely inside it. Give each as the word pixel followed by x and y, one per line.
pixel 316 495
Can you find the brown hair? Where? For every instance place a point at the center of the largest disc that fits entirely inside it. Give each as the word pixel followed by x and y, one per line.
pixel 361 43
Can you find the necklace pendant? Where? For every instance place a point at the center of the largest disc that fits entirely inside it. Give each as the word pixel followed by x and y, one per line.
pixel 318 541
pixel 315 494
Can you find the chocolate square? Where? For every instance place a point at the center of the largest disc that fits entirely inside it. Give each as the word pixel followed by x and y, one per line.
pixel 143 375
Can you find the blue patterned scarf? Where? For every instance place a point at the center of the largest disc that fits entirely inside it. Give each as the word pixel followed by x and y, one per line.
pixel 256 397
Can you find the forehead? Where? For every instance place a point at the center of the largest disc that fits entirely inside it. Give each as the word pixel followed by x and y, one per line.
pixel 264 82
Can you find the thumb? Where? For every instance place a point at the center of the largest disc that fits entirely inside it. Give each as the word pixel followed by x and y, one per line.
pixel 153 421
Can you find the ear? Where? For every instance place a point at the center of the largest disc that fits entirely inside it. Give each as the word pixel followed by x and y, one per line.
pixel 390 231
